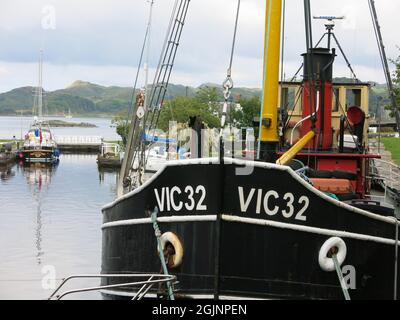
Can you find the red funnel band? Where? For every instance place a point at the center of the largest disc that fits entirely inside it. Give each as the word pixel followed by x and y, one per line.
pixel 355 115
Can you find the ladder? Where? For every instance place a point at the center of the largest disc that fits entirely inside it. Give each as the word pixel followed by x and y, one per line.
pixel 148 124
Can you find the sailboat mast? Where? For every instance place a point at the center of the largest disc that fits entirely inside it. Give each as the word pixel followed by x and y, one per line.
pixel 40 88
pixel 268 137
pixel 146 64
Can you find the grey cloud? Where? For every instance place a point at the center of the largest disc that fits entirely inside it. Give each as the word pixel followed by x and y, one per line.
pixel 108 34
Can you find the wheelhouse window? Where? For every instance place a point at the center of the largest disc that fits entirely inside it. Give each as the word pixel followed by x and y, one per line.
pixel 288 98
pixel 353 98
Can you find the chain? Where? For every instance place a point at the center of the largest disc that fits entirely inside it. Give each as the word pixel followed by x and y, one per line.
pixel 228 86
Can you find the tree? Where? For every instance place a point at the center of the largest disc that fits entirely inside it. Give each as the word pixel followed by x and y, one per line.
pixel 180 109
pixel 244 116
pixel 209 97
pixel 396 83
pixel 122 125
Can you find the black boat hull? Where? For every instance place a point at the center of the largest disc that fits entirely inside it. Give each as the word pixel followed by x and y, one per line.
pixel 256 235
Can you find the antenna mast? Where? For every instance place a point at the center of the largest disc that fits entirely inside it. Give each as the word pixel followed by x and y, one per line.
pixel 329 25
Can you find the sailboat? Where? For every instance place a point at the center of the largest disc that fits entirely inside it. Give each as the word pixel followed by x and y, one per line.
pixel 39 144
pixel 299 222
pixel 69 115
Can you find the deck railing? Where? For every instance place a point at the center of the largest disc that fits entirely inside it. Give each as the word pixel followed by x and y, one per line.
pixel 387 175
pixel 140 285
pixel 79 140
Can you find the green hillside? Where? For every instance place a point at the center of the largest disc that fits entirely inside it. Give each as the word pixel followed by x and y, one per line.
pixel 85 98
pixel 17 99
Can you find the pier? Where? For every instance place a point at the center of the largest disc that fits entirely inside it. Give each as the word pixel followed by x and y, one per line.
pixel 7 153
pixel 90 144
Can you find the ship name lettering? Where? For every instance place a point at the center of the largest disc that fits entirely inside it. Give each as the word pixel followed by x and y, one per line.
pixel 177 199
pixel 269 201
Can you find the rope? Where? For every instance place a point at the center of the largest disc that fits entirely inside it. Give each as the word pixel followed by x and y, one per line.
pixel 340 277
pixel 157 232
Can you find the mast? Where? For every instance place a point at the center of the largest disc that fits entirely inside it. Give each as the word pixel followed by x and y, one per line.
pixel 268 137
pixel 40 88
pixel 137 115
pixel 146 64
pixel 385 65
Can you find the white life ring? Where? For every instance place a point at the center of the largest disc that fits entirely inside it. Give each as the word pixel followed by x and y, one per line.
pixel 325 262
pixel 176 259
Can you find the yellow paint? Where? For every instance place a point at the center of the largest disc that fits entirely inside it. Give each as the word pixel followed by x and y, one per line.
pixel 269 124
pixel 291 153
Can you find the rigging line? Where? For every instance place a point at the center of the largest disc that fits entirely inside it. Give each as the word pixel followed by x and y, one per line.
pixel 163 52
pixel 385 65
pixel 171 49
pixel 169 55
pixel 377 37
pixel 297 72
pixel 345 57
pixel 228 83
pixel 234 38
pixel 156 77
pixel 146 65
pixel 133 115
pixel 130 109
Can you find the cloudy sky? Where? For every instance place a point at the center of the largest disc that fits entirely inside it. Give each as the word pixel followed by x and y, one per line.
pixel 100 40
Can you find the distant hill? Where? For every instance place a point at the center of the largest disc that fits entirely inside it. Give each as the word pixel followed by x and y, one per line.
pixel 85 98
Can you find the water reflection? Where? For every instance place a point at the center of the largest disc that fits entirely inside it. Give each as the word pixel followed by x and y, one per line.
pixel 109 176
pixel 6 172
pixel 51 216
pixel 38 177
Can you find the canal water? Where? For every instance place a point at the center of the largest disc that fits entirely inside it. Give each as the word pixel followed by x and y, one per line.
pixel 50 225
pixel 18 126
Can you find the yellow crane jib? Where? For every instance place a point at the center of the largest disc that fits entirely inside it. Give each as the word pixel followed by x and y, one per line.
pixel 295 149
pixel 272 50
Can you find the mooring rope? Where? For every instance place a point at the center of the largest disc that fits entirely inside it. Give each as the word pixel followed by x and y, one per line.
pixel 157 232
pixel 340 277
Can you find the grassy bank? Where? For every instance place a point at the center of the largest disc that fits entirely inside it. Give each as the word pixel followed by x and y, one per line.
pixel 393 145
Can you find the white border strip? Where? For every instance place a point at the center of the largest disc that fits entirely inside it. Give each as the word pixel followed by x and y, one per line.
pixel 296 227
pixel 192 296
pixel 259 222
pixel 265 165
pixel 132 222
